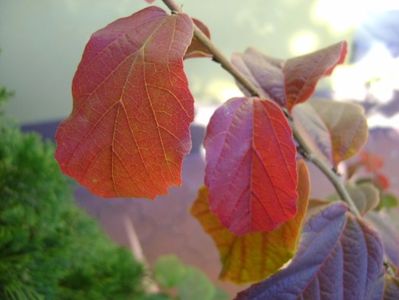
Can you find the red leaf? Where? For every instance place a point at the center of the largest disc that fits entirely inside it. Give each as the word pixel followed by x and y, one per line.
pixel 382 181
pixel 292 81
pixel 129 128
pixel 196 48
pixel 254 256
pixel 303 72
pixel 251 168
pixel 264 72
pixel 371 161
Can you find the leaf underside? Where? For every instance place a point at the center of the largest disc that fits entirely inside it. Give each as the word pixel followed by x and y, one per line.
pixel 339 258
pixel 289 82
pixel 129 128
pixel 250 165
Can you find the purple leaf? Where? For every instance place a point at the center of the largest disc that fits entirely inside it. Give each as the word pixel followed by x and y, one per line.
pixel 250 166
pixel 339 258
pixel 264 72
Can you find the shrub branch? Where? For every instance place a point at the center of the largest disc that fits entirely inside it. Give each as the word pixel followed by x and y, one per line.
pixel 303 147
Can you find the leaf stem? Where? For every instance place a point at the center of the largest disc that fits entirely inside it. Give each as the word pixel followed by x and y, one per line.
pixel 326 170
pixel 217 55
pixel 304 149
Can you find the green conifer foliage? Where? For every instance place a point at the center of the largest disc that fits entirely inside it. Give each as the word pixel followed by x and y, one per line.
pixel 49 248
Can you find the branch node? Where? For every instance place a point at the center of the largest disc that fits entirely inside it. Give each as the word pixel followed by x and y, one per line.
pixel 287 114
pixel 215 60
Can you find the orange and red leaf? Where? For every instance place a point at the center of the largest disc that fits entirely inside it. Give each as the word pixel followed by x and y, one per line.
pixel 129 128
pixel 289 82
pixel 303 72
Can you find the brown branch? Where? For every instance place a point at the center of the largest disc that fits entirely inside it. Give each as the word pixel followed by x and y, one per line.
pixel 217 55
pixel 326 170
pixel 305 150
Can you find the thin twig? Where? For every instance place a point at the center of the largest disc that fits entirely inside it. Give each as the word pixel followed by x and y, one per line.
pixel 326 170
pixel 305 150
pixel 150 285
pixel 217 55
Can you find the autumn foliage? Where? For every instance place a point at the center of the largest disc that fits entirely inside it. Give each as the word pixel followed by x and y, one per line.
pixel 129 129
pixel 129 132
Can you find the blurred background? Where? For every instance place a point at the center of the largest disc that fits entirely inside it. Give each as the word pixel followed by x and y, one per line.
pixel 42 42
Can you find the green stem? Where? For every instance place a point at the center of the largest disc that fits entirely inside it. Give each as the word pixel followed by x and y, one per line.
pixel 326 170
pixel 305 150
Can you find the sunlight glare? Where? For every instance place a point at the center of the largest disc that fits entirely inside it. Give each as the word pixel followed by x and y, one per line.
pixel 377 73
pixel 342 15
pixel 379 120
pixel 303 42
pixel 222 90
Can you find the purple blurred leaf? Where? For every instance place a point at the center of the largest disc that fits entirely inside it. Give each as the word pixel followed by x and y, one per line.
pixel 389 234
pixel 339 258
pixel 392 107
